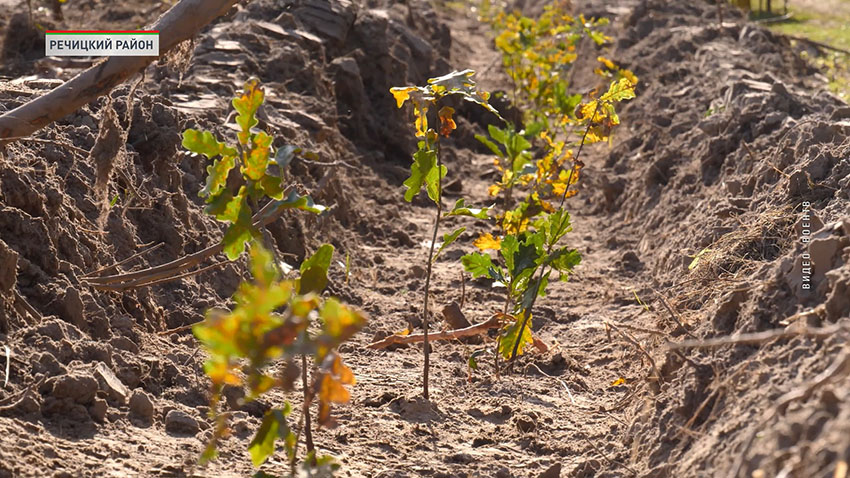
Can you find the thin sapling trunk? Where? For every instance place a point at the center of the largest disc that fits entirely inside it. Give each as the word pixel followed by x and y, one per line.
pixel 425 317
pixel 576 162
pixel 308 429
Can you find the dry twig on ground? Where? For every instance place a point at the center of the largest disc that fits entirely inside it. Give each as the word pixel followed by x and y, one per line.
pixel 477 329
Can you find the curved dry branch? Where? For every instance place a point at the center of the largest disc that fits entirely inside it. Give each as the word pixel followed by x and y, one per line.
pixel 177 268
pixel 477 329
pixel 181 22
pixel 758 338
pixel 121 263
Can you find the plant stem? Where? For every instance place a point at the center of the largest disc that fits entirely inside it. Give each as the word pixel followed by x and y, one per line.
pixel 462 289
pixel 294 456
pixel 499 337
pixel 425 316
pixel 267 237
pixel 526 314
pixel 308 431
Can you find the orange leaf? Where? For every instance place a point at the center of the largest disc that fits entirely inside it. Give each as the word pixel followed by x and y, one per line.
pixel 487 241
pixel 447 123
pixel 402 94
pixel 608 63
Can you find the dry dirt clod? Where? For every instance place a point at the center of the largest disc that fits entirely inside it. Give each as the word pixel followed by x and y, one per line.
pixel 123 343
pixel 98 410
pixel 178 422
pixel 8 267
pixel 503 472
pixel 110 384
pixel 72 308
pixel 141 405
pixel 554 471
pixel 81 388
pixel 455 317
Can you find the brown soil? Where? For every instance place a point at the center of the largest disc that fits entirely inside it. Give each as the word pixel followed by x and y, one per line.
pixel 730 134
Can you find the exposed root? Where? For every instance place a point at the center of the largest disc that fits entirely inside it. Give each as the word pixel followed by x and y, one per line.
pixel 737 254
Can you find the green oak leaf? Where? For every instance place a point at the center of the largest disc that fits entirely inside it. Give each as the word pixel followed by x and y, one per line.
pixel 461 209
pixel 304 203
pixel 478 264
pixel 272 186
pixel 490 145
pixel 526 257
pixel 246 105
pixel 216 205
pixel 447 240
pixel 564 260
pixel 499 134
pixel 258 158
pixel 620 90
pixel 473 358
pixel 510 246
pixel 217 173
pixel 203 142
pixel 273 426
pixel 424 171
pixel 511 336
pixel 241 229
pixel 530 293
pixel 263 268
pixel 284 155
pixel 554 226
pixel 314 270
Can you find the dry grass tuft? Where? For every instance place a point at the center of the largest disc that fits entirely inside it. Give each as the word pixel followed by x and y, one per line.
pixel 733 259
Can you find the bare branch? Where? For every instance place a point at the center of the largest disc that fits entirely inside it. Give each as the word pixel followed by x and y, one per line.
pixel 762 337
pixel 181 22
pixel 477 329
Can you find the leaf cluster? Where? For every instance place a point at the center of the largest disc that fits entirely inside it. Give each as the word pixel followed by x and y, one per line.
pixel 269 324
pixel 538 54
pixel 518 267
pixel 541 159
pixel 426 169
pixel 240 175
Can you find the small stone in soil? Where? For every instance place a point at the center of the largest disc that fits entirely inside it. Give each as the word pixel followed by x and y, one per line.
pixel 241 428
pixel 382 399
pixel 481 441
pixel 553 471
pixel 141 405
pixel 503 472
pixel 109 383
pixel 179 422
pixel 463 458
pixel 98 409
